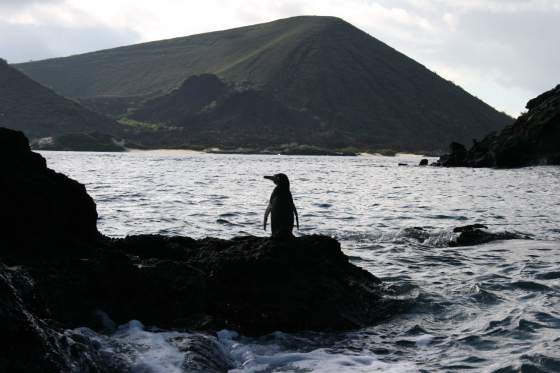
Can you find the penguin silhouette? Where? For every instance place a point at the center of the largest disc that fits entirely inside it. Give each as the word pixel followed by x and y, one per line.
pixel 281 208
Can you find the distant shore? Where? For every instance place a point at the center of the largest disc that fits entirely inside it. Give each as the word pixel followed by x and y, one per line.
pixel 165 151
pixel 179 152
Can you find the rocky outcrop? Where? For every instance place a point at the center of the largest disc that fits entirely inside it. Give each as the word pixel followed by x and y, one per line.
pixel 27 343
pixel 467 235
pixel 478 234
pixel 42 211
pixel 534 139
pixel 250 284
pixel 33 342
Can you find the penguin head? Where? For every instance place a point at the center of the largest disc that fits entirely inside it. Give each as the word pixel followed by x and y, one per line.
pixel 280 179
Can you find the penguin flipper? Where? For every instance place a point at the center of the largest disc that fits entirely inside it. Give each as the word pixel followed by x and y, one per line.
pixel 297 218
pixel 266 213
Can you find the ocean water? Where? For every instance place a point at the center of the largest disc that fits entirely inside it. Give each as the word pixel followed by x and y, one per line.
pixel 487 308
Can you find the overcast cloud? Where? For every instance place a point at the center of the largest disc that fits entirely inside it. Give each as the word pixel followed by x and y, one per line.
pixel 503 51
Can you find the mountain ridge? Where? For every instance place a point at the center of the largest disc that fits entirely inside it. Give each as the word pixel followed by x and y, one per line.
pixel 30 107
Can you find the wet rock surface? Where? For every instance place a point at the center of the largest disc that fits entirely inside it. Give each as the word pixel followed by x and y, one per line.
pixel 259 285
pixel 467 235
pixel 250 284
pixel 31 340
pixel 477 234
pixel 533 139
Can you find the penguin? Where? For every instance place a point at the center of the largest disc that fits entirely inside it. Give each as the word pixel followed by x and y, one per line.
pixel 281 207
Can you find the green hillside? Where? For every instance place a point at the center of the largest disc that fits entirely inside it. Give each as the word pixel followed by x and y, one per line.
pixel 359 90
pixel 28 106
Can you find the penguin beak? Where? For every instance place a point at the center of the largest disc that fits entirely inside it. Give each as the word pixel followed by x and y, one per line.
pixel 270 178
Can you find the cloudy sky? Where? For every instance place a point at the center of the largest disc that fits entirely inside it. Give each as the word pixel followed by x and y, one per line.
pixel 502 51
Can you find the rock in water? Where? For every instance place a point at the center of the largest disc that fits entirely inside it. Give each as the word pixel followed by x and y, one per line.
pixel 477 234
pixel 32 342
pixel 27 345
pixel 250 284
pixel 42 211
pixel 534 139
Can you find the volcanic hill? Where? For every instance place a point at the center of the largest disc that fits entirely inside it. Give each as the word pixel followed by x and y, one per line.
pixel 350 88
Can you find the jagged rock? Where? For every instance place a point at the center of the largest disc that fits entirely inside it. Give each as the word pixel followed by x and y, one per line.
pixel 417 233
pixel 534 139
pixel 43 212
pixel 468 235
pixel 477 234
pixel 250 284
pixel 32 341
pixel 456 157
pixel 32 344
pixel 469 228
pixel 26 345
pixel 203 354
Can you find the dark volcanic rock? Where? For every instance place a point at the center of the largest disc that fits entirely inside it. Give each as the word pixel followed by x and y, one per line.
pixel 534 139
pixel 456 157
pixel 477 234
pixel 30 343
pixel 27 345
pixel 41 209
pixel 468 235
pixel 251 284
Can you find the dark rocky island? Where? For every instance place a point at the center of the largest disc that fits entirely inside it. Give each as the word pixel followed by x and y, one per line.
pixel 58 272
pixel 534 139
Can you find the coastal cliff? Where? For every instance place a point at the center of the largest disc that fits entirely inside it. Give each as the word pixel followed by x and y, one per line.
pixel 534 139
